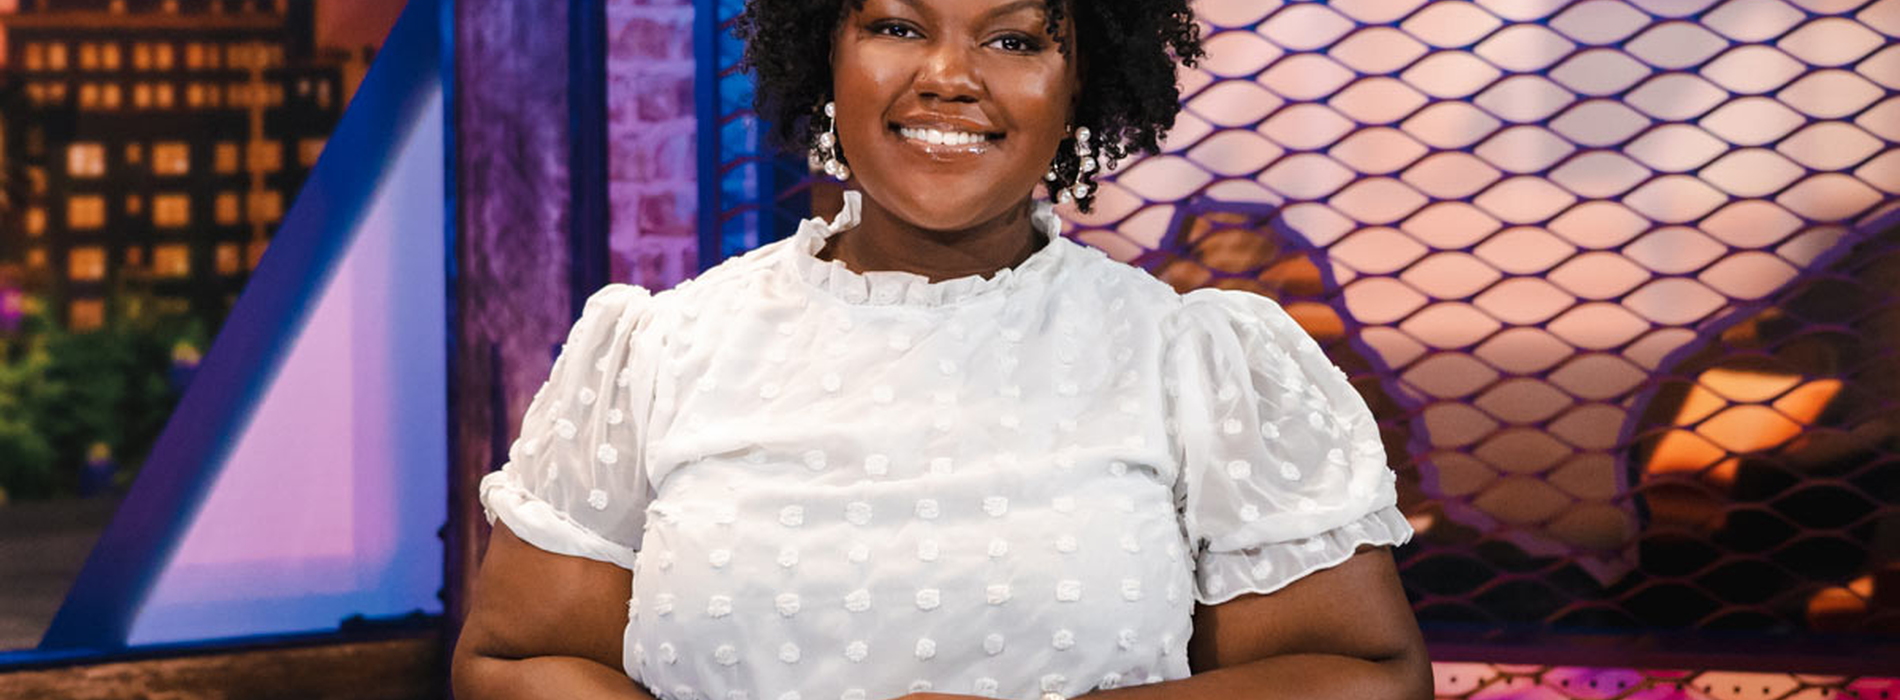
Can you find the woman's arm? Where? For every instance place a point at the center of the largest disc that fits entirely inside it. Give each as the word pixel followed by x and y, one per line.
pixel 1345 632
pixel 543 625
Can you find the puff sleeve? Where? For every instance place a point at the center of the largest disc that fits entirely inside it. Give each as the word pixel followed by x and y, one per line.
pixel 1282 472
pixel 574 482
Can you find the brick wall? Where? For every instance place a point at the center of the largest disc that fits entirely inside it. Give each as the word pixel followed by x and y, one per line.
pixel 651 134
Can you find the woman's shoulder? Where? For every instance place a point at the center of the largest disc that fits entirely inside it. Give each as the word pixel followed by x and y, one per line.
pixel 1175 311
pixel 729 276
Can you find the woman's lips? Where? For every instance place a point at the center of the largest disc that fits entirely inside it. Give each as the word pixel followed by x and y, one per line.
pixel 944 152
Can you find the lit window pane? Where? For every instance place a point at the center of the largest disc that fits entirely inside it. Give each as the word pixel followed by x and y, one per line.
pixel 171 260
pixel 267 207
pixel 87 314
pixel 230 259
pixel 308 150
pixel 171 158
pixel 85 212
pixel 227 213
pixel 171 210
pixel 86 159
pixel 227 158
pixel 86 264
pixel 266 156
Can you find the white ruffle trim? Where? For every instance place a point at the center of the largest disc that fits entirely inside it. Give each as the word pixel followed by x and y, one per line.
pixel 539 523
pixel 1222 576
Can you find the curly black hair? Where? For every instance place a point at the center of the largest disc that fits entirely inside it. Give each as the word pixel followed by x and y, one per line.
pixel 1129 96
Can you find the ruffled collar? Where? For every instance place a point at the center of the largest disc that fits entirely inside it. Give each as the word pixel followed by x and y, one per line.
pixel 896 287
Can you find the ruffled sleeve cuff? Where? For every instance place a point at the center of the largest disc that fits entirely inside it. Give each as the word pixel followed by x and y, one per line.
pixel 540 524
pixel 1223 576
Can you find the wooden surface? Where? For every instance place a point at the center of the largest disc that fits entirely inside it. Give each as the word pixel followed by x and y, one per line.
pixel 401 669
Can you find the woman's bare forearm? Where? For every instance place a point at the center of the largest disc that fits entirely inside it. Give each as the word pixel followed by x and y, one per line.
pixel 563 677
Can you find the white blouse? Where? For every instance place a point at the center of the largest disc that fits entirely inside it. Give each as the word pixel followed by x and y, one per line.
pixel 832 484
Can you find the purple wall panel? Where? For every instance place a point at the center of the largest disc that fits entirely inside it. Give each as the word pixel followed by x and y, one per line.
pixel 512 292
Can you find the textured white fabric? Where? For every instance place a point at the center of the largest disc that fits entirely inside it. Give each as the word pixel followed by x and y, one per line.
pixel 840 485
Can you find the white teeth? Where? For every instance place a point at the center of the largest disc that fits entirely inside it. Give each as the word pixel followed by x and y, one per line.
pixel 933 136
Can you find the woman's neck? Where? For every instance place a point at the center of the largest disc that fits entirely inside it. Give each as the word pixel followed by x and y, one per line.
pixel 882 241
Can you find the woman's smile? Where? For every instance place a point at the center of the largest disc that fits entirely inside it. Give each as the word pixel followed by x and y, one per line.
pixel 943 141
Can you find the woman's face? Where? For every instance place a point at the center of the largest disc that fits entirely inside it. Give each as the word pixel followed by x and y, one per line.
pixel 949 111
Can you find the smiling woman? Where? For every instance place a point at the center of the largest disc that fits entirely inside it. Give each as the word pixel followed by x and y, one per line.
pixel 931 446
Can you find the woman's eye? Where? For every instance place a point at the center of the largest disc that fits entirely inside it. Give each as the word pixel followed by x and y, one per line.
pixel 1018 44
pixel 893 29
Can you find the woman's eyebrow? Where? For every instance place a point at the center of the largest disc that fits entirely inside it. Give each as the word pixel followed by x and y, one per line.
pixel 1004 9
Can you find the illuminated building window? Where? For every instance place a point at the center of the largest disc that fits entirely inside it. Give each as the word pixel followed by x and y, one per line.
pixel 171 210
pixel 254 253
pixel 142 95
pixel 56 56
pixel 195 95
pixel 56 91
pixel 86 264
pixel 134 256
pixel 323 94
pixel 88 56
pixel 171 158
pixel 171 260
pixel 35 57
pixel 142 56
pixel 86 159
pixel 109 96
pixel 89 96
pixel 36 258
pixel 35 221
pixel 109 56
pixel 134 152
pixel 194 55
pixel 227 209
pixel 230 260
pixel 227 157
pixel 37 92
pixel 86 314
pixel 162 96
pixel 134 204
pixel 170 6
pixel 162 56
pixel 85 212
pixel 266 156
pixel 267 206
pixel 308 150
pixel 276 94
pixel 36 179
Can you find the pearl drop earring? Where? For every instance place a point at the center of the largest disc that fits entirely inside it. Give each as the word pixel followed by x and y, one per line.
pixel 826 155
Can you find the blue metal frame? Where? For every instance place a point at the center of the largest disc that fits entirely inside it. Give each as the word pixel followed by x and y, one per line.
pixel 749 192
pixel 706 111
pixel 588 215
pixel 99 610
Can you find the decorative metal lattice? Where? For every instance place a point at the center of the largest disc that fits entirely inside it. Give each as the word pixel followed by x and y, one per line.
pixel 1614 274
pixel 1478 681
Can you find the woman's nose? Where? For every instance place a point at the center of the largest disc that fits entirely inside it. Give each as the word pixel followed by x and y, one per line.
pixel 948 74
